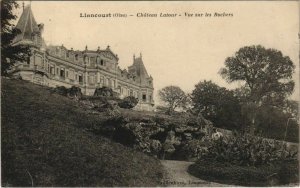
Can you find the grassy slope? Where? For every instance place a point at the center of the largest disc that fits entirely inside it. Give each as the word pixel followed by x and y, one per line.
pixel 45 142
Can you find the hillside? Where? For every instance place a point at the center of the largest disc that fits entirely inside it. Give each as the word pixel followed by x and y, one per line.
pixel 46 142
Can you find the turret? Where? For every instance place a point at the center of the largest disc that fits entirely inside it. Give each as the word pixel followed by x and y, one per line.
pixel 31 32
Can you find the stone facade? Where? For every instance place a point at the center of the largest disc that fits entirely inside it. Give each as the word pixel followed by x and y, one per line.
pixel 88 69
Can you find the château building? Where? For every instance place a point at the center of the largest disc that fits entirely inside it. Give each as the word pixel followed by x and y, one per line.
pixel 88 69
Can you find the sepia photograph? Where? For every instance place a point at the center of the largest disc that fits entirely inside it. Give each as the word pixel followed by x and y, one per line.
pixel 150 93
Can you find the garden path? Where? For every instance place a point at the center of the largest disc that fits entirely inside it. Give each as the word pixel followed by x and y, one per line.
pixel 177 176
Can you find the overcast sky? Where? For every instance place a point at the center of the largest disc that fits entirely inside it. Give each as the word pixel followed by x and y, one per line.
pixel 176 51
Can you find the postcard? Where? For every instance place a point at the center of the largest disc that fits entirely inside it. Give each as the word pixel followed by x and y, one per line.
pixel 150 93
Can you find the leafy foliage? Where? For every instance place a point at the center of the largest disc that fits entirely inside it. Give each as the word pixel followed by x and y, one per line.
pixel 10 54
pixel 190 150
pixel 217 104
pixel 230 174
pixel 128 102
pixel 75 92
pixel 274 123
pixel 105 92
pixel 71 92
pixel 266 71
pixel 246 150
pixel 174 97
pixel 62 90
pixel 267 75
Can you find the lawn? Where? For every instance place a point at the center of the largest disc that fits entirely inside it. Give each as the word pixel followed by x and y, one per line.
pixel 46 142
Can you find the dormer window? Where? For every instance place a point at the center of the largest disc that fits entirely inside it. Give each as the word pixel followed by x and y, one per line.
pixel 76 57
pixel 102 62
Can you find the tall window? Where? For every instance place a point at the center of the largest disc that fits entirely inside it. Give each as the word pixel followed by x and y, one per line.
pixel 144 97
pixel 62 72
pixel 80 78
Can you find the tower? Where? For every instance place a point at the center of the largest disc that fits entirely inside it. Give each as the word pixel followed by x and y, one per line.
pixel 31 32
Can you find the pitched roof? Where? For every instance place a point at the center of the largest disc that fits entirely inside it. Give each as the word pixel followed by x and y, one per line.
pixel 138 68
pixel 27 25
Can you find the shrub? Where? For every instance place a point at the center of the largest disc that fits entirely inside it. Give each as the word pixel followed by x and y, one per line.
pixel 105 92
pixel 189 150
pixel 128 102
pixel 74 92
pixel 247 150
pixel 288 172
pixel 71 92
pixel 62 90
pixel 246 175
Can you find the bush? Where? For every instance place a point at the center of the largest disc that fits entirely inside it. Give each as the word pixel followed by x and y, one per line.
pixel 62 90
pixel 128 102
pixel 105 92
pixel 288 172
pixel 247 150
pixel 189 150
pixel 70 92
pixel 74 92
pixel 242 175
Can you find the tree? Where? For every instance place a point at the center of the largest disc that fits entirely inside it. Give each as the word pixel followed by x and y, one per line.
pixel 217 104
pixel 267 75
pixel 174 97
pixel 10 53
pixel 273 122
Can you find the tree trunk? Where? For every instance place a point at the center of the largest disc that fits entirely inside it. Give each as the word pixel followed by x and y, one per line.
pixel 253 119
